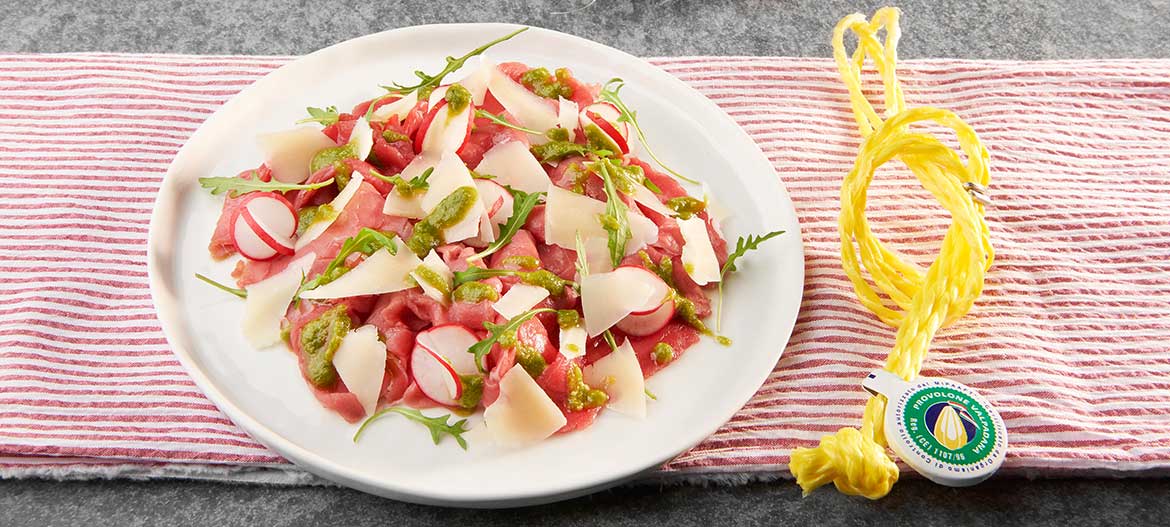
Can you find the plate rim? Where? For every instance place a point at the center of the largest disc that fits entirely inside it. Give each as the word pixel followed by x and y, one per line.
pixel 169 312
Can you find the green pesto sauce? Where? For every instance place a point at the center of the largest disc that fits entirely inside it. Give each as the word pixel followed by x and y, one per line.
pixel 608 222
pixel 626 177
pixel 477 175
pixel 557 134
pixel 472 391
pixel 428 232
pixel 580 176
pixel 664 268
pixel 433 279
pixel 522 261
pixel 474 293
pixel 663 353
pixel 320 340
pixel 457 98
pixel 335 156
pixel 546 279
pixel 558 150
pixel 568 318
pixel 548 85
pixel 307 216
pixel 686 206
pixel 599 140
pixel 529 358
pixel 392 136
pixel 581 396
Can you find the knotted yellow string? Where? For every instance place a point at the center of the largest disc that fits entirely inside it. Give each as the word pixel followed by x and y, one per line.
pixel 856 460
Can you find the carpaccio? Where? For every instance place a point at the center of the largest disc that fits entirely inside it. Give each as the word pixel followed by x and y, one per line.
pixel 402 141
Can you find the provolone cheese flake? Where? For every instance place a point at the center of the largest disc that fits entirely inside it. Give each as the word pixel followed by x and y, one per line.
pixel 620 375
pixel 379 273
pixel 523 413
pixel 435 264
pixel 566 213
pixel 512 164
pixel 698 257
pixel 339 203
pixel 268 300
pixel 396 110
pixel 573 342
pixel 606 298
pixel 519 299
pixel 360 361
pixel 449 175
pixel 289 153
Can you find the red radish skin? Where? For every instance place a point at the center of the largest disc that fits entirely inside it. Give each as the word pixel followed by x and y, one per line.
pixel 656 314
pixel 609 130
pixel 450 342
pixel 433 375
pixel 274 243
pixel 277 245
pixel 428 125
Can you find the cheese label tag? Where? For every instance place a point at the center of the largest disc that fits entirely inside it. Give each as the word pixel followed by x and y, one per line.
pixel 944 430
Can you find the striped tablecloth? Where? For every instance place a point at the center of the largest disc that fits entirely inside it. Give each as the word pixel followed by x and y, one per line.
pixel 1071 340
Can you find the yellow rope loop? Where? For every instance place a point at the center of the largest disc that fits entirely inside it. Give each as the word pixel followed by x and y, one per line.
pixel 856 460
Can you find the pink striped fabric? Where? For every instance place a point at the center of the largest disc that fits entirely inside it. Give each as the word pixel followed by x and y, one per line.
pixel 1071 340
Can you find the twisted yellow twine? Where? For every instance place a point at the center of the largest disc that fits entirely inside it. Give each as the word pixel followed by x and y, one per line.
pixel 856 460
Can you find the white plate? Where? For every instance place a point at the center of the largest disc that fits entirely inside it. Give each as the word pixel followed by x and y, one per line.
pixel 263 391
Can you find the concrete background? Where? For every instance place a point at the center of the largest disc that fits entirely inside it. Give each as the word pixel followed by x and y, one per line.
pixel 1048 29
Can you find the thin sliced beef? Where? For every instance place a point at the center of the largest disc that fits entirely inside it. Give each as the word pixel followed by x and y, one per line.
pixel 521 244
pixel 555 383
pixel 677 333
pixel 336 397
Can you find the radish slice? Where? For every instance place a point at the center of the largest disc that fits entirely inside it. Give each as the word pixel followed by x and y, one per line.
pixel 379 273
pixel 437 96
pixel 566 213
pixel 609 297
pixel 450 175
pixel 288 153
pixel 435 377
pixel 519 299
pixel 268 300
pixel 263 226
pixel 442 132
pixel 620 375
pixel 360 361
pixel 603 117
pixel 362 138
pixel 530 109
pixel 573 342
pixel 411 207
pixel 652 316
pixel 451 342
pixel 396 110
pixel 436 265
pixel 567 119
pixel 523 413
pixel 338 204
pixel 698 257
pixel 496 199
pixel 513 165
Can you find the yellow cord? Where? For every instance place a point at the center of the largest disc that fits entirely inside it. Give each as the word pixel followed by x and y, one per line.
pixel 856 460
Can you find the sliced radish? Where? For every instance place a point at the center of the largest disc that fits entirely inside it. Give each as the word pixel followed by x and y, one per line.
pixel 567 119
pixel 362 138
pixel 435 377
pixel 339 203
pixel 396 110
pixel 436 265
pixel 530 109
pixel 519 299
pixel 360 361
pixel 513 165
pixel 451 174
pixel 566 213
pixel 289 153
pixel 698 257
pixel 263 226
pixel 523 413
pixel 604 117
pixel 496 199
pixel 606 298
pixel 655 313
pixel 268 300
pixel 437 95
pixel 442 132
pixel 620 375
pixel 379 273
pixel 451 342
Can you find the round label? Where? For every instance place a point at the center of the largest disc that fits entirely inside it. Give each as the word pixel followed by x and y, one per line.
pixel 942 429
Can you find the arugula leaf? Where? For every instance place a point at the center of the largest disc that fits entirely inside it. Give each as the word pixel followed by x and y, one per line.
pixel 237 185
pixel 437 425
pixel 477 175
pixel 742 246
pixel 609 93
pixel 582 261
pixel 650 394
pixel 238 292
pixel 366 241
pixel 405 188
pixel 429 82
pixel 475 273
pixel 495 331
pixel 615 221
pixel 610 340
pixel 325 116
pixel 522 206
pixel 504 122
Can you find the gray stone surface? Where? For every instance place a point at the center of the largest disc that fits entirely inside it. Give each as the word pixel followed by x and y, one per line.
pixel 1046 29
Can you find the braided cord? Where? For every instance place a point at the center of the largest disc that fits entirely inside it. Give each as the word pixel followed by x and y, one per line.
pixel 856 460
